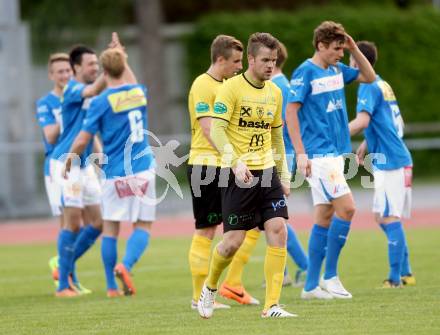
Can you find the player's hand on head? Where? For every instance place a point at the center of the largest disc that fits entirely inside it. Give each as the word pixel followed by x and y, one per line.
pixel 350 44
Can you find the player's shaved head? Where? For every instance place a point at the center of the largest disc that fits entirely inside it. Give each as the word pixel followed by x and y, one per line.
pixel 281 55
pixel 113 62
pixel 328 32
pixel 258 40
pixel 223 45
pixel 369 50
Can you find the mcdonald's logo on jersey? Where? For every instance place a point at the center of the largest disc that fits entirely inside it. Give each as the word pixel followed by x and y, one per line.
pixel 257 140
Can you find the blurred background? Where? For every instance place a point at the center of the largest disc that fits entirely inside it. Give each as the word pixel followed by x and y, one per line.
pixel 168 45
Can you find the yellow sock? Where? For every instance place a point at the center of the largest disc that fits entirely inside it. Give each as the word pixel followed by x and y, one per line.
pixel 198 257
pixel 218 264
pixel 274 265
pixel 240 259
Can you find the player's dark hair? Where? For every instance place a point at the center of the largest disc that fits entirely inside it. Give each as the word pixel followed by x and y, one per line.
pixel 76 55
pixel 281 55
pixel 369 50
pixel 223 45
pixel 328 32
pixel 258 40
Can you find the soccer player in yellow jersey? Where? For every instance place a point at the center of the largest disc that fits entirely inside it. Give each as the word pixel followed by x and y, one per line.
pixel 204 170
pixel 247 131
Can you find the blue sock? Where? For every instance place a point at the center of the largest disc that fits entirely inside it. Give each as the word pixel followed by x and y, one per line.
pixel 406 267
pixel 295 249
pixel 317 247
pixel 337 235
pixel 109 255
pixel 73 265
pixel 396 249
pixel 136 245
pixel 86 238
pixel 66 241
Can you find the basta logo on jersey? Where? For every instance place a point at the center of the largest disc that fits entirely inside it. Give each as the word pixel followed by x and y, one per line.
pixel 253 124
pixel 245 111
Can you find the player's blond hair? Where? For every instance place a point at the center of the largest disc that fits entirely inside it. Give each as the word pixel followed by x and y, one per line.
pixel 223 45
pixel 57 57
pixel 113 62
pixel 281 55
pixel 258 40
pixel 328 32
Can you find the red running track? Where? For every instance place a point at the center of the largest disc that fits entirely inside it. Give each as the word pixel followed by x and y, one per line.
pixel 46 230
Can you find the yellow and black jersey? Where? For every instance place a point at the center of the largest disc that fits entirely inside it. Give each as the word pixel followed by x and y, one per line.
pixel 201 104
pixel 251 112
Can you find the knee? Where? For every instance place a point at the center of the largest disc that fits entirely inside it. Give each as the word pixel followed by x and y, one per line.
pixel 97 223
pixel 347 212
pixel 230 246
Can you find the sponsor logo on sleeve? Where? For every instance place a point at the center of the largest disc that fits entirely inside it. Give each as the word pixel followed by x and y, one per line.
pixel 42 109
pixel 220 108
pixel 297 81
pixel 202 107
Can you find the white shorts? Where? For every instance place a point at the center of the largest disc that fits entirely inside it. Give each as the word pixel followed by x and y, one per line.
pixel 327 180
pixel 130 198
pixel 392 192
pixel 81 188
pixel 53 191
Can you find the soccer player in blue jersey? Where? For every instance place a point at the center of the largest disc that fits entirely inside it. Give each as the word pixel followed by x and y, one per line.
pixel 120 115
pixel 294 247
pixel 80 192
pixel 48 116
pixel 318 126
pixel 379 114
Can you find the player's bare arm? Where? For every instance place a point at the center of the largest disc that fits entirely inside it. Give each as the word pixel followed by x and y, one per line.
pixel 367 73
pixel 361 122
pixel 303 163
pixel 51 133
pixel 205 124
pixel 78 147
pixel 128 76
pixel 280 158
pixel 361 152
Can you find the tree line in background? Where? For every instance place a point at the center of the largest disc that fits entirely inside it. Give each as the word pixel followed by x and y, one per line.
pixel 407 38
pixel 407 41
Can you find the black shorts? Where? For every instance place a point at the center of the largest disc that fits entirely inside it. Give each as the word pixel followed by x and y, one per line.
pixel 245 208
pixel 206 196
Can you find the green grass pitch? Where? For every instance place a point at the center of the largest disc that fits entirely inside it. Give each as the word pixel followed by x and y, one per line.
pixel 162 306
